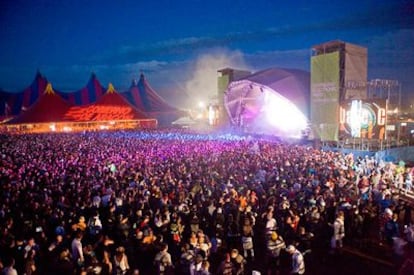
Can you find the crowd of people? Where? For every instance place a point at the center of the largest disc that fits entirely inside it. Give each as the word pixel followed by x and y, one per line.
pixel 170 202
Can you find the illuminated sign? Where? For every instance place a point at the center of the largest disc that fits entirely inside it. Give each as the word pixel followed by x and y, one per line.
pixel 363 119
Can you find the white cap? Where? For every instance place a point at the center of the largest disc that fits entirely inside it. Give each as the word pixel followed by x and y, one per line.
pixel 388 211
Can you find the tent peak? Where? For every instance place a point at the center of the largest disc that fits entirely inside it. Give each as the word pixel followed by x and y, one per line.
pixel 49 89
pixel 111 89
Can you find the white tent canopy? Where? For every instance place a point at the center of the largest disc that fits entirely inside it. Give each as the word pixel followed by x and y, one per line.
pixel 183 121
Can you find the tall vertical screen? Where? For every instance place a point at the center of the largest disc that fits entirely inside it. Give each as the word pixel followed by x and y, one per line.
pixel 325 95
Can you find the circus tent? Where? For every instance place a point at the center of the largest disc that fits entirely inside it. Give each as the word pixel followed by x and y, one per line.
pixel 111 106
pixel 140 95
pixel 50 107
pixel 145 98
pixel 53 113
pixel 133 96
pixel 12 104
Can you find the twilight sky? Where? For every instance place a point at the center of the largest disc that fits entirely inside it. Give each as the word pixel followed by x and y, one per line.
pixel 180 45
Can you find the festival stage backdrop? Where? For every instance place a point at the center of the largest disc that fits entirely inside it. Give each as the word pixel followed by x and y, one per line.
pixel 363 118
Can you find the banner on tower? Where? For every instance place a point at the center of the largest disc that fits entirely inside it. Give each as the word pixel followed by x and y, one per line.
pixel 325 95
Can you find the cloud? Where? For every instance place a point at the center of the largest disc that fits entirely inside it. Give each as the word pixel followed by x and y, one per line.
pixel 158 49
pixel 298 59
pixel 170 45
pixel 152 65
pixel 188 46
pixel 386 16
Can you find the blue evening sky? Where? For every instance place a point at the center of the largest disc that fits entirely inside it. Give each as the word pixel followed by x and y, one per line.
pixel 180 45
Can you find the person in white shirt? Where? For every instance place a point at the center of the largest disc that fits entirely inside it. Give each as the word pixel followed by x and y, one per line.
pixel 196 266
pixel 95 224
pixel 77 249
pixel 163 260
pixel 275 244
pixel 339 231
pixel 121 265
pixel 298 262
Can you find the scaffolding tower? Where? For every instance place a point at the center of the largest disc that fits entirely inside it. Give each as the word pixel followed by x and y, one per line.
pixel 386 89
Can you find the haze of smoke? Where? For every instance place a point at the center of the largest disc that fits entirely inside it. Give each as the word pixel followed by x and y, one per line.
pixel 202 84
